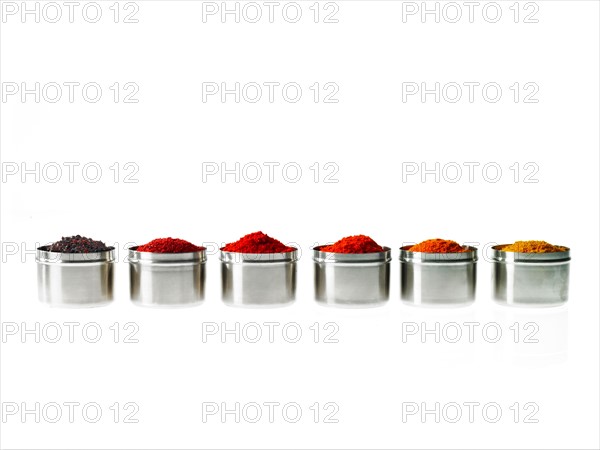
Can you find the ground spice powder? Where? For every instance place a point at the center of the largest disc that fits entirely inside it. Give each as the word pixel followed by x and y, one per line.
pixel 169 245
pixel 257 242
pixel 353 244
pixel 438 246
pixel 78 244
pixel 533 247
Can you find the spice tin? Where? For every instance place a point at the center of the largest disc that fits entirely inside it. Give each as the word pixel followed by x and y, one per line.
pixel 352 279
pixel 166 279
pixel 438 279
pixel 258 279
pixel 530 279
pixel 75 279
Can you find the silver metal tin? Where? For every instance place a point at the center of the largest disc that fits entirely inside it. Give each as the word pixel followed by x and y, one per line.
pixel 530 279
pixel 438 279
pixel 258 279
pixel 75 279
pixel 166 279
pixel 352 279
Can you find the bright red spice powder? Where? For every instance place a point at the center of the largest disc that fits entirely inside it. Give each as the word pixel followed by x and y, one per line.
pixel 169 245
pixel 438 246
pixel 354 244
pixel 257 242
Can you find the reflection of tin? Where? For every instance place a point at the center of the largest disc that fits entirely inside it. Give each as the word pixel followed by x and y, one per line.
pixel 167 279
pixel 438 279
pixel 352 279
pixel 258 279
pixel 75 279
pixel 530 279
pixel 546 328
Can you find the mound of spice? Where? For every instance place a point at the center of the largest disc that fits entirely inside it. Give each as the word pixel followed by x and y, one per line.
pixel 257 242
pixel 533 247
pixel 353 244
pixel 78 244
pixel 438 246
pixel 169 245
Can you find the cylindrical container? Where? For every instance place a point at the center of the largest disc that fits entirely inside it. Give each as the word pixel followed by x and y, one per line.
pixel 530 279
pixel 166 279
pixel 438 279
pixel 75 279
pixel 258 279
pixel 352 279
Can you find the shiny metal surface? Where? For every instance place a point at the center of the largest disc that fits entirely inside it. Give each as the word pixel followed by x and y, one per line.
pixel 530 279
pixel 75 279
pixel 259 280
pixel 352 280
pixel 438 279
pixel 166 279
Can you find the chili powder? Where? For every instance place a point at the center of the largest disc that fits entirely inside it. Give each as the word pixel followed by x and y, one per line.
pixel 169 245
pixel 438 246
pixel 353 244
pixel 257 242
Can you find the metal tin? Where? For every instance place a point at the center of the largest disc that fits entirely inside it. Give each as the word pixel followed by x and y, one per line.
pixel 166 279
pixel 258 279
pixel 438 279
pixel 75 279
pixel 530 279
pixel 352 280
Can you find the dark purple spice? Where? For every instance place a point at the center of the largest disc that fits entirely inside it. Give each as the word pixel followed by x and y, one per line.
pixel 78 244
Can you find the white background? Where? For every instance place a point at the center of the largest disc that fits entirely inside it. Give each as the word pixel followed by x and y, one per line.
pixel 369 134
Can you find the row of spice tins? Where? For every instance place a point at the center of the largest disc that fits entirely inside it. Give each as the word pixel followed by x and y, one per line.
pixel 258 270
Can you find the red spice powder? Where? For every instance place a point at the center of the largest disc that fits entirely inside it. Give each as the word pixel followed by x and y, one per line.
pixel 438 246
pixel 354 244
pixel 169 245
pixel 257 242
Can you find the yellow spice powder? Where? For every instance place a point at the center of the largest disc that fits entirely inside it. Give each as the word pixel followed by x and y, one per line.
pixel 533 247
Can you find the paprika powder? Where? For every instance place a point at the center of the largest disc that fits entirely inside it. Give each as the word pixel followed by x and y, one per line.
pixel 169 245
pixel 438 246
pixel 533 247
pixel 353 244
pixel 257 242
